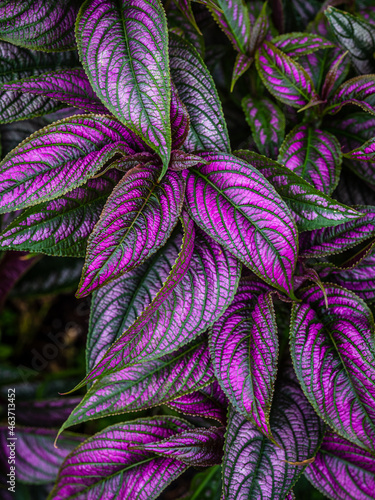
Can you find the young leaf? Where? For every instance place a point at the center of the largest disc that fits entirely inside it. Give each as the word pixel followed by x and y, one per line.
pixel 333 240
pixel 40 25
pixel 313 154
pixel 59 158
pixel 145 385
pixel 253 466
pixel 244 351
pixel 283 77
pixel 359 91
pixel 196 89
pixel 108 465
pixel 231 201
pixel 338 69
pixel 333 352
pixel 267 123
pixel 241 65
pixel 136 220
pixel 355 35
pixel 311 208
pixel 69 85
pixel 259 30
pixel 124 45
pixel 300 44
pixel 341 470
pixel 61 227
pixel 181 160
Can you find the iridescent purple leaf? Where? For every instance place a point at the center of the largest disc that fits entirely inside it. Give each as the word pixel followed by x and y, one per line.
pixel 267 123
pixel 313 154
pixel 333 353
pixel 108 465
pixel 333 240
pixel 59 158
pixel 283 77
pixel 61 227
pixel 300 44
pixel 37 24
pixel 181 160
pixel 124 45
pixel 311 208
pixel 70 86
pixel 355 35
pixel 253 466
pixel 244 350
pixel 241 65
pixel 359 91
pixel 231 201
pixel 37 460
pixel 45 413
pixel 180 120
pixel 196 89
pixel 16 106
pixel 342 471
pixel 208 402
pixel 146 385
pixel 259 30
pixel 12 267
pixel 137 219
pixel 197 447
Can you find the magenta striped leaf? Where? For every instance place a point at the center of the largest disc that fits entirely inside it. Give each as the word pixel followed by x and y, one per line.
pixel 313 154
pixel 267 123
pixel 241 65
pixel 181 26
pixel 125 45
pixel 359 91
pixel 231 201
pixel 109 465
pixel 333 353
pixel 300 44
pixel 187 11
pixel 196 88
pixel 259 30
pixel 244 350
pixel 366 152
pixel 253 466
pixel 342 471
pixel 311 208
pixel 59 158
pixel 61 227
pixel 181 160
pixel 283 77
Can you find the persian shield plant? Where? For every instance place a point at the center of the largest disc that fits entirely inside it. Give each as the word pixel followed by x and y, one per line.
pixel 213 164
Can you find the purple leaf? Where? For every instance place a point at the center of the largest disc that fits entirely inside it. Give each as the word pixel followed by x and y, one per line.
pixel 355 35
pixel 267 123
pixel 333 353
pixel 137 219
pixel 12 267
pixel 283 77
pixel 231 201
pixel 59 158
pixel 241 65
pixel 16 106
pixel 253 466
pixel 310 208
pixel 197 447
pixel 313 154
pixel 244 350
pixel 61 227
pixel 108 465
pixel 333 240
pixel 129 51
pixel 259 31
pixel 146 385
pixel 366 152
pixel 181 160
pixel 46 413
pixel 181 26
pixel 342 471
pixel 196 89
pixel 359 91
pixel 39 25
pixel 187 11
pixel 69 85
pixel 113 359
pixel 208 402
pixel 180 121
pixel 338 69
pixel 300 44
pixel 37 460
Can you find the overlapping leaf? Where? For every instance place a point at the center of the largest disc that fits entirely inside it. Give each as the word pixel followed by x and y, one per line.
pixel 300 44
pixel 196 89
pixel 267 123
pixel 342 471
pixel 180 121
pixel 124 45
pixel 313 154
pixel 137 219
pixel 59 158
pixel 333 352
pixel 231 201
pixel 283 77
pixel 109 466
pixel 253 466
pixel 359 91
pixel 244 351
pixel 260 30
pixel 311 208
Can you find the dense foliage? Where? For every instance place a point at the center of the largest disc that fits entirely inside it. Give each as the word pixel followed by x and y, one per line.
pixel 219 184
